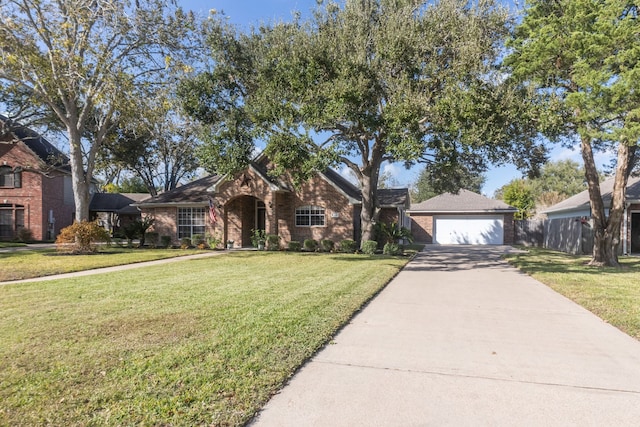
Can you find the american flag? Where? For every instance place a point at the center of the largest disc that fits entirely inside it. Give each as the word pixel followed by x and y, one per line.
pixel 212 212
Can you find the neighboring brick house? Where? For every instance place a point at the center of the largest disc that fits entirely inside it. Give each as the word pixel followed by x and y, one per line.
pixel 325 207
pixel 465 218
pixel 35 184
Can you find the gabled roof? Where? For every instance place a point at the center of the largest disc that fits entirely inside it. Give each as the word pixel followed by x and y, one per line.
pixel 393 197
pixel 464 202
pixel 193 192
pixel 343 185
pixel 116 202
pixel 42 148
pixel 581 200
pixel 198 192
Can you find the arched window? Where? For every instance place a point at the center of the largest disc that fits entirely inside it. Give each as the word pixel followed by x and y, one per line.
pixel 310 216
pixel 10 178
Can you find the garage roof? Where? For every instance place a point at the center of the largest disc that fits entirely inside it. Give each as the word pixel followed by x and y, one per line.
pixel 464 202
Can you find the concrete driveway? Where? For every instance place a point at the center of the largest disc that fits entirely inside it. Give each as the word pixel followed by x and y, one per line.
pixel 460 338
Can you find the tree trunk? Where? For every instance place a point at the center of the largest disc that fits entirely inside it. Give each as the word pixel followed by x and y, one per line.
pixel 368 176
pixel 606 242
pixel 369 213
pixel 79 182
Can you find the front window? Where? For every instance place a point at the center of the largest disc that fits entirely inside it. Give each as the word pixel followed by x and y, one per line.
pixel 310 216
pixel 10 178
pixel 191 221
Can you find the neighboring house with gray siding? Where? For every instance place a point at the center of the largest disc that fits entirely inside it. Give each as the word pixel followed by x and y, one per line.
pixel 567 220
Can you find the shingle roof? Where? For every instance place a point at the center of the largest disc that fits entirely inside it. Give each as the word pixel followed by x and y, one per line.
pixel 393 197
pixel 464 202
pixel 199 191
pixel 38 144
pixel 343 184
pixel 581 200
pixel 116 202
pixel 193 192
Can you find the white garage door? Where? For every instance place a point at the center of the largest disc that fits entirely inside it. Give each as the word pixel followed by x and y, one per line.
pixel 469 230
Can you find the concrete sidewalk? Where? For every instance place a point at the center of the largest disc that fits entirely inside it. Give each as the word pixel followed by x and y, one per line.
pixel 104 270
pixel 460 338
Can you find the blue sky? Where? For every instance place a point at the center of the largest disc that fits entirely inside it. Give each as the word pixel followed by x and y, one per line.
pixel 248 12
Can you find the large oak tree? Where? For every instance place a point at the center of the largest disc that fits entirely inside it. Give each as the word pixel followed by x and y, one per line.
pixel 81 59
pixel 585 53
pixel 361 83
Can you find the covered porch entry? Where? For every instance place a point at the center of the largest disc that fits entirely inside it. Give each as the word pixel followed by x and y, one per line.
pixel 244 214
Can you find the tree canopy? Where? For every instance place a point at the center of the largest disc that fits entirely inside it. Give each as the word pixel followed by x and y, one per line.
pixel 81 59
pixel 360 84
pixel 583 55
pixel 158 144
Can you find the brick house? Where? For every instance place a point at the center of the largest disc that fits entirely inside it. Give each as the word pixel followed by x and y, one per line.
pixel 231 206
pixel 465 218
pixel 35 184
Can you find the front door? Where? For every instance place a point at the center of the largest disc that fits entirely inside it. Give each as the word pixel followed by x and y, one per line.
pixel 635 232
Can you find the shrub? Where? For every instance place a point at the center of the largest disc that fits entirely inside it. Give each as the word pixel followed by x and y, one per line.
pixel 198 239
pixel 295 246
pixel 273 242
pixel 24 234
pixel 213 240
pixel 369 247
pixel 393 233
pixel 310 245
pixel 185 243
pixel 327 245
pixel 392 249
pixel 81 237
pixel 258 237
pixel 347 246
pixel 152 238
pixel 165 241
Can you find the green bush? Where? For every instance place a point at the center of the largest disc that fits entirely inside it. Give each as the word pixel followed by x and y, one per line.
pixel 258 237
pixel 347 246
pixel 213 240
pixel 24 235
pixel 369 247
pixel 392 249
pixel 310 245
pixel 197 240
pixel 152 238
pixel 273 242
pixel 327 245
pixel 185 243
pixel 81 237
pixel 295 246
pixel 165 241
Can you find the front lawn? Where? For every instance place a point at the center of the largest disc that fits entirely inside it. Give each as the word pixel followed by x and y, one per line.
pixel 612 294
pixel 201 342
pixel 11 244
pixel 26 264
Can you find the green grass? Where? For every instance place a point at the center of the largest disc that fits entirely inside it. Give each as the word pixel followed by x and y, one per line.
pixel 612 294
pixel 11 244
pixel 201 342
pixel 26 264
